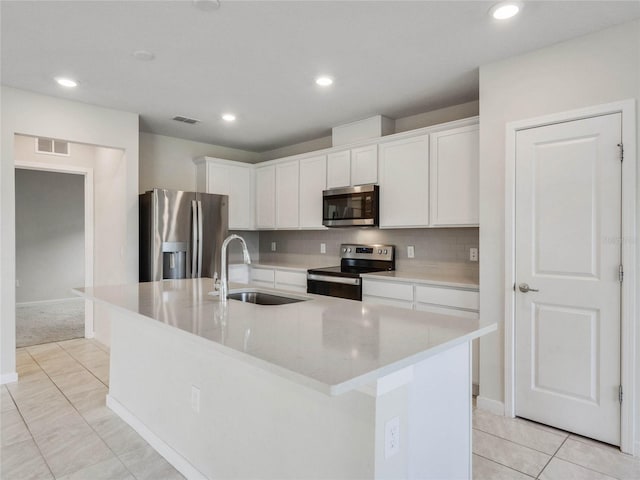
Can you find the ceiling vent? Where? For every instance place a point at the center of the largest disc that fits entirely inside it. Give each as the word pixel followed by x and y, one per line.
pixel 52 147
pixel 190 121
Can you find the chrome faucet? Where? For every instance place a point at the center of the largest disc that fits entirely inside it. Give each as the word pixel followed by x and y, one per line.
pixel 224 285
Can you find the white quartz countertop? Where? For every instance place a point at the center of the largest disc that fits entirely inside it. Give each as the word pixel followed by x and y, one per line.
pixel 430 276
pixel 330 344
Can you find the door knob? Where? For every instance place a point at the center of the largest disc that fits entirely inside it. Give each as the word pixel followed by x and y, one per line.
pixel 524 288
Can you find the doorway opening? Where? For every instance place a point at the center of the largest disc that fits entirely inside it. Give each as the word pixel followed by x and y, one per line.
pixel 50 260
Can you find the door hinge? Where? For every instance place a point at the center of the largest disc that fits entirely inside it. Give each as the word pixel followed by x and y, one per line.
pixel 621 147
pixel 620 273
pixel 620 393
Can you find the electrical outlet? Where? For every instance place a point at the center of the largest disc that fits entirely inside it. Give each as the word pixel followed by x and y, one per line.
pixel 273 246
pixel 473 254
pixel 411 251
pixel 195 399
pixel 392 437
pixel 323 248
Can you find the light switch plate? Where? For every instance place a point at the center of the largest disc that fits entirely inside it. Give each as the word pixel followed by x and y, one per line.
pixel 392 437
pixel 323 248
pixel 273 246
pixel 411 251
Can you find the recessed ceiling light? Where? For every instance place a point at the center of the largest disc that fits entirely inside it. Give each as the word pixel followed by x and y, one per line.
pixel 206 5
pixel 504 10
pixel 228 117
pixel 66 82
pixel 324 81
pixel 143 55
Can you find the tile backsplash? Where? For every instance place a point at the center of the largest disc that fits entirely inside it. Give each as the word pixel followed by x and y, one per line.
pixel 433 246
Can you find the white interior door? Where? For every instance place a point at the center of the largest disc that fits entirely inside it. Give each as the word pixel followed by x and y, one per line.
pixel 567 329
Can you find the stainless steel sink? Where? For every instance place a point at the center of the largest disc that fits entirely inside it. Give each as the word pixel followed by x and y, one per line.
pixel 262 298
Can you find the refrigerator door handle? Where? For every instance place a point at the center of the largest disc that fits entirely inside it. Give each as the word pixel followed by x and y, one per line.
pixel 194 241
pixel 200 227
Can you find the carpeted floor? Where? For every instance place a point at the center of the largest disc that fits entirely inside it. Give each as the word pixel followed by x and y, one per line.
pixel 49 322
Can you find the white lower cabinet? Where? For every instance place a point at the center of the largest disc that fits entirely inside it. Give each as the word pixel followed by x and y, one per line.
pixel 281 278
pixel 461 302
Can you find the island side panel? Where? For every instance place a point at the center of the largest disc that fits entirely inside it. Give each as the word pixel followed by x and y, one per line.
pixel 440 412
pixel 251 423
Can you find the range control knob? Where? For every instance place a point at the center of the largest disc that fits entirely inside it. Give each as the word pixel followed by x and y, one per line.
pixel 344 250
pixel 348 250
pixel 385 251
pixel 379 251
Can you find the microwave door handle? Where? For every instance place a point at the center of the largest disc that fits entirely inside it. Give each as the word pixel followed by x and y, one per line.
pixel 200 238
pixel 194 237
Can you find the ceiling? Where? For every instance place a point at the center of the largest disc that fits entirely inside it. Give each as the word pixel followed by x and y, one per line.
pixel 259 59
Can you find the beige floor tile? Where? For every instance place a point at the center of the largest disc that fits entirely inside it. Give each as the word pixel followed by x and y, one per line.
pixel 485 469
pixel 561 470
pixel 146 464
pixel 22 461
pixel 92 405
pixel 12 428
pixel 29 395
pixel 541 426
pixel 604 459
pixel 60 366
pixel 509 454
pixel 111 469
pixel 519 432
pixel 6 402
pixel 74 385
pixel 67 452
pixel 118 435
pixel 102 373
pixel 63 419
pixel 73 342
pixel 101 346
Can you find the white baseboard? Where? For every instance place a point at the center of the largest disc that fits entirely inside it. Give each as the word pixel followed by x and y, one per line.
pixel 636 452
pixel 8 378
pixel 44 302
pixel 489 405
pixel 170 455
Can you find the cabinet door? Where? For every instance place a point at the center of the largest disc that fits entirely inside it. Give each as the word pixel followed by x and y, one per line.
pixel 287 182
pixel 364 165
pixel 313 180
pixel 454 163
pixel 266 197
pixel 240 198
pixel 339 169
pixel 404 183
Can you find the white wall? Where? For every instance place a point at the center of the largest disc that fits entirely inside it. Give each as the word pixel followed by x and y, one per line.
pixel 28 113
pixel 49 234
pixel 167 162
pixel 595 69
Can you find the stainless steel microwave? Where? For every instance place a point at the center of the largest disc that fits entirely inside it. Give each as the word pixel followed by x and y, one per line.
pixel 351 206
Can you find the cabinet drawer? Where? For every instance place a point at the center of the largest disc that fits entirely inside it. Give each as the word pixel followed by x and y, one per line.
pixel 399 291
pixel 448 297
pixel 287 277
pixel 388 301
pixel 262 275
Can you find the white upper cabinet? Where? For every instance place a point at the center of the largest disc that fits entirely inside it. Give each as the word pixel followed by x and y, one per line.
pixel 454 163
pixel 313 180
pixel 339 169
pixel 404 183
pixel 266 197
pixel 234 179
pixel 364 165
pixel 287 185
pixel 358 166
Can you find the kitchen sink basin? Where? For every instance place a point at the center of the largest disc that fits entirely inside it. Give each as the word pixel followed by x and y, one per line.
pixel 263 298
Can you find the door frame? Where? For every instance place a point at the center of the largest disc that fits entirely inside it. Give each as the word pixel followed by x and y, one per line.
pixel 87 173
pixel 628 353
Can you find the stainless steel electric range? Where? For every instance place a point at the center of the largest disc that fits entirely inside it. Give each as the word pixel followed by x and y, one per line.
pixel 344 281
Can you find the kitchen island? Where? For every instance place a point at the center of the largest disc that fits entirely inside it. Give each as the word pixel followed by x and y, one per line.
pixel 323 388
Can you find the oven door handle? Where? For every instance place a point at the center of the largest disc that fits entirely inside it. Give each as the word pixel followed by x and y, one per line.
pixel 331 279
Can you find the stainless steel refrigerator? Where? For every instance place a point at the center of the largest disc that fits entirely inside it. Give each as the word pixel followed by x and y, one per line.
pixel 181 234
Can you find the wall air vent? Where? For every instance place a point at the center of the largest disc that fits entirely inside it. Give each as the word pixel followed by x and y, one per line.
pixel 51 146
pixel 190 121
